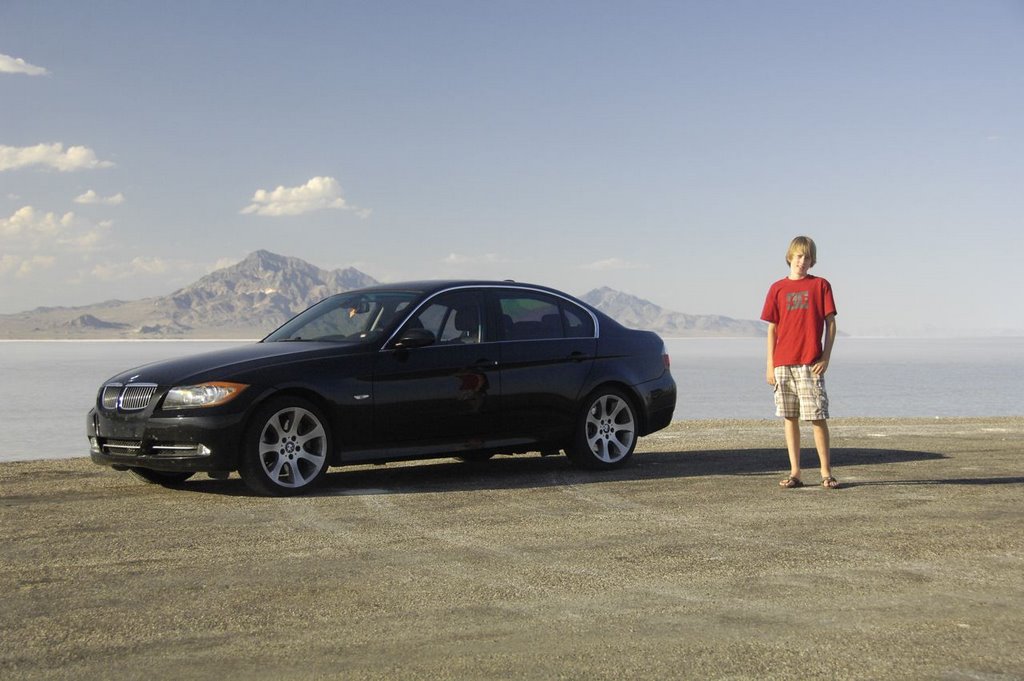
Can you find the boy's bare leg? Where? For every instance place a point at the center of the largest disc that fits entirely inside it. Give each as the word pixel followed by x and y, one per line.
pixel 793 445
pixel 822 443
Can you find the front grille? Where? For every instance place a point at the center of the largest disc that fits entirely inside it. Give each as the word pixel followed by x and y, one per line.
pixel 131 397
pixel 110 394
pixel 136 396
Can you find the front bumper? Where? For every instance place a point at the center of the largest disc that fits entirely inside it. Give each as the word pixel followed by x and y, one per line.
pixel 182 443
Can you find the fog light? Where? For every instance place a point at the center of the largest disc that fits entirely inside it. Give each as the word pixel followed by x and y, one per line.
pixel 94 445
pixel 179 450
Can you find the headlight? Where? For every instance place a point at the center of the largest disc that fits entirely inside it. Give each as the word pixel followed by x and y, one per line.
pixel 205 395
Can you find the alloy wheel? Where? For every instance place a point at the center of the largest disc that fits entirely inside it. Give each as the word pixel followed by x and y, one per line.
pixel 293 447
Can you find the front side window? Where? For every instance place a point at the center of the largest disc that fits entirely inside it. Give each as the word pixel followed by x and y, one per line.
pixel 454 318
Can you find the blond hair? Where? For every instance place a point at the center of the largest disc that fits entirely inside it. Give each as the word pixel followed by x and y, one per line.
pixel 805 245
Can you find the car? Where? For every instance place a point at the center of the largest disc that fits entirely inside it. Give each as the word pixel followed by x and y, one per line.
pixel 464 369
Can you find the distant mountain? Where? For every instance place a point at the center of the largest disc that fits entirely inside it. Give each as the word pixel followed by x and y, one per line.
pixel 255 296
pixel 246 300
pixel 638 313
pixel 262 291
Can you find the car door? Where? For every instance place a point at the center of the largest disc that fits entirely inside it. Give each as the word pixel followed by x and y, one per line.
pixel 548 345
pixel 444 392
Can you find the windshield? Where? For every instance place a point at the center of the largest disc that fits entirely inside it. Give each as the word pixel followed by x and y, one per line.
pixel 352 317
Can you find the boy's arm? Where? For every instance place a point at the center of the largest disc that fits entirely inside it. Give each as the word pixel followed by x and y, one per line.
pixel 772 336
pixel 821 365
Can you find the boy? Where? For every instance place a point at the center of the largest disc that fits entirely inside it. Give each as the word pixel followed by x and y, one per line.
pixel 797 309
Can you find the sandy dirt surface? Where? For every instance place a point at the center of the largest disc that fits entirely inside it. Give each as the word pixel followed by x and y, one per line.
pixel 689 563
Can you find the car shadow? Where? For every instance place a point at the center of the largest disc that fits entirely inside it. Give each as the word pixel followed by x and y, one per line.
pixel 534 471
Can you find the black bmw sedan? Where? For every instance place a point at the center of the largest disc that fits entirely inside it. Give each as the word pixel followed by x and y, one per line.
pixel 467 369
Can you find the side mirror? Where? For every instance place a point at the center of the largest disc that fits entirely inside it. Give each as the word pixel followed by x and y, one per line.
pixel 414 338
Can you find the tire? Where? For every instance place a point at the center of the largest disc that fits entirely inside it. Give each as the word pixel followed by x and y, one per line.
pixel 165 478
pixel 606 433
pixel 286 448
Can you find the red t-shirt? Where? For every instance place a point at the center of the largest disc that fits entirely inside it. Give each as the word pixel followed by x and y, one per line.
pixel 798 308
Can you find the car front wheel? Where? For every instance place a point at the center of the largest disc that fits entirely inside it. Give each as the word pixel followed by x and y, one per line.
pixel 606 434
pixel 286 448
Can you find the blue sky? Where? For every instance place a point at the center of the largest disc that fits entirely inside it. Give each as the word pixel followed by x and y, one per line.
pixel 667 149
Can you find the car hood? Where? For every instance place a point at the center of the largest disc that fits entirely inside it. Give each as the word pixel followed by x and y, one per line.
pixel 229 363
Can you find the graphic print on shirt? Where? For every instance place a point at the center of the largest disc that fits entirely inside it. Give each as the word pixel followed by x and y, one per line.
pixel 799 300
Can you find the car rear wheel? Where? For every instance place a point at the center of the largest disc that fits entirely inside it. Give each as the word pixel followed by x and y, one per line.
pixel 166 478
pixel 286 448
pixel 606 433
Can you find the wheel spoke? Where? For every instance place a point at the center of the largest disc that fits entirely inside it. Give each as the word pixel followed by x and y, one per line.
pixel 313 441
pixel 297 478
pixel 287 422
pixel 275 471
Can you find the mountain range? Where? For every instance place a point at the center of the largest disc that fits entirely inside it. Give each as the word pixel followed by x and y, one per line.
pixel 638 313
pixel 255 296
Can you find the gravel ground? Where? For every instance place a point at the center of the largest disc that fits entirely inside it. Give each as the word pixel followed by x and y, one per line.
pixel 689 563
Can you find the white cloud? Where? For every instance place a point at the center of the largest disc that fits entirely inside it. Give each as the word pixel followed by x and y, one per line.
pixel 460 259
pixel 108 272
pixel 17 65
pixel 28 223
pixel 221 264
pixel 29 230
pixel 88 240
pixel 156 268
pixel 318 194
pixel 52 156
pixel 611 264
pixel 92 198
pixel 139 266
pixel 143 265
pixel 24 266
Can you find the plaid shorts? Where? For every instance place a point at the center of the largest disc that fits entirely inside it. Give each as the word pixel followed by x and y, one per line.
pixel 799 393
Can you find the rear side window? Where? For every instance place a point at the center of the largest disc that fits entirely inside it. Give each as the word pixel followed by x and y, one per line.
pixel 578 323
pixel 527 315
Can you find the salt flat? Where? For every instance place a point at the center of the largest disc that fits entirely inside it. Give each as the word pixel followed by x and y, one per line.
pixel 689 563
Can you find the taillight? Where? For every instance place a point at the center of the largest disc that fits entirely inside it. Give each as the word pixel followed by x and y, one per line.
pixel 666 359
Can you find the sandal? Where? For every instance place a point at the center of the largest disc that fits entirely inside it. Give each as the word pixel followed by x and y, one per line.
pixel 791 482
pixel 830 483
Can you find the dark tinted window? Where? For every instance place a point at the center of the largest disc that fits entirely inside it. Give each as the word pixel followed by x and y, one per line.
pixel 578 322
pixel 534 316
pixel 453 317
